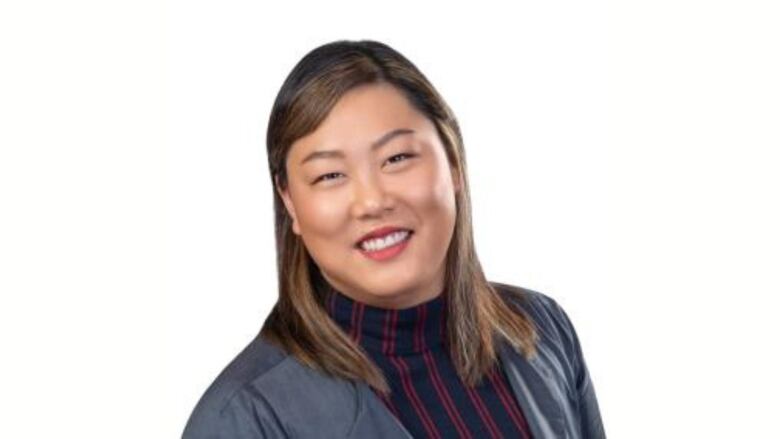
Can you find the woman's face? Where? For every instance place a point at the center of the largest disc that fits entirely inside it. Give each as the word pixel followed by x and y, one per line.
pixel 375 164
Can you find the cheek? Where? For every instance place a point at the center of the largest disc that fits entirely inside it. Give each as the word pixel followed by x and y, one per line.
pixel 322 224
pixel 321 215
pixel 432 193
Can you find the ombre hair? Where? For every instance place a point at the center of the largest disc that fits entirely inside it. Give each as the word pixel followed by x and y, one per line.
pixel 476 312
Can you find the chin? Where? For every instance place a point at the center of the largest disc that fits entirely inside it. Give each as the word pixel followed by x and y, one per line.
pixel 387 289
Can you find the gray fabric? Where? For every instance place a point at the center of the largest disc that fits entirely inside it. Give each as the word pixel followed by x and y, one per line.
pixel 265 393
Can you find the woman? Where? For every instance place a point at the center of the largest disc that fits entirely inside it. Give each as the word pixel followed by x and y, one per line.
pixel 385 326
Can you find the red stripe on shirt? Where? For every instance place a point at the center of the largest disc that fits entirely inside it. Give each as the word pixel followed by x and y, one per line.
pixel 483 412
pixel 441 389
pixel 419 408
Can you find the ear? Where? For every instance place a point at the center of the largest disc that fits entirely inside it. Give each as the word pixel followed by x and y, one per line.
pixel 288 204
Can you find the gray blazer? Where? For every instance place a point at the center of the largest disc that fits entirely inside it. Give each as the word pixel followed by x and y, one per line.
pixel 265 393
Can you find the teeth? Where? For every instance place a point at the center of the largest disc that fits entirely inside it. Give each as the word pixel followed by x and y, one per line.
pixel 376 244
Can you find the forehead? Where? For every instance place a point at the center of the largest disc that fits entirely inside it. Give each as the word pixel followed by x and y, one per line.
pixel 362 115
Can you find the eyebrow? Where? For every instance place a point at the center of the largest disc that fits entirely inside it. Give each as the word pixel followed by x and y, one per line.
pixel 374 146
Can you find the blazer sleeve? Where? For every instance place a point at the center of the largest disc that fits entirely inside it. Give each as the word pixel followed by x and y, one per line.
pixel 243 416
pixel 591 424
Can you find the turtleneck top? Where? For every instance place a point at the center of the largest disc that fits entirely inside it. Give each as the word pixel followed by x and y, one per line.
pixel 427 395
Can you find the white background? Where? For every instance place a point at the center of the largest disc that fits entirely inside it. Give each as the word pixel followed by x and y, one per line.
pixel 623 159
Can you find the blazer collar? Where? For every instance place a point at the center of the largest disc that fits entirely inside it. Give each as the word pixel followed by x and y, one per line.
pixel 533 386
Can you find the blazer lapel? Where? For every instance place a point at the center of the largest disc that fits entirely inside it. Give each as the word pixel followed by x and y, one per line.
pixel 375 420
pixel 533 387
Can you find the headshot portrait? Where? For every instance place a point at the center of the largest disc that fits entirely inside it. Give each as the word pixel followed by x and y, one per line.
pixel 327 220
pixel 385 324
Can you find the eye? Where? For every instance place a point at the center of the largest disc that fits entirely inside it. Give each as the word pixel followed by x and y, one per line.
pixel 400 157
pixel 325 177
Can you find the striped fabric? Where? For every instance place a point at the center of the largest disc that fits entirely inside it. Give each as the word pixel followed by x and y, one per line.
pixel 427 395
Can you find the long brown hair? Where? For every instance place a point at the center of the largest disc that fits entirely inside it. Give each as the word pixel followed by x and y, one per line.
pixel 299 322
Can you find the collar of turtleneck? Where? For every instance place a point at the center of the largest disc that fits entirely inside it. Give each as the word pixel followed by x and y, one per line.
pixel 404 331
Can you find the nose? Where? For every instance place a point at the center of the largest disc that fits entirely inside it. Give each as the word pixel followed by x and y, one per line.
pixel 371 199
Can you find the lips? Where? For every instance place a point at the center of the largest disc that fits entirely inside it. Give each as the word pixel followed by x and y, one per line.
pixel 380 232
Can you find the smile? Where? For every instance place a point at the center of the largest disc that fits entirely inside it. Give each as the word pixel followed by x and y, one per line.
pixel 385 247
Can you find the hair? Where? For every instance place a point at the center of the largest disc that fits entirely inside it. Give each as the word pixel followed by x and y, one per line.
pixel 299 322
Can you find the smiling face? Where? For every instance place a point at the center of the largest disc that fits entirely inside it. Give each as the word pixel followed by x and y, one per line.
pixel 375 164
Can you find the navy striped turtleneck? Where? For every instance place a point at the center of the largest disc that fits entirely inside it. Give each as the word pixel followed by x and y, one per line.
pixel 427 395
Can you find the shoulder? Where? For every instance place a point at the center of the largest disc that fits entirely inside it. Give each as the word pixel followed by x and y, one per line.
pixel 557 337
pixel 267 393
pixel 546 313
pixel 217 414
pixel 560 353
